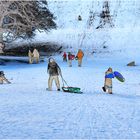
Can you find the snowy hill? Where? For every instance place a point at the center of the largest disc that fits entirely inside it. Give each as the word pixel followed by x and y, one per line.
pixel 121 40
pixel 124 12
pixel 72 33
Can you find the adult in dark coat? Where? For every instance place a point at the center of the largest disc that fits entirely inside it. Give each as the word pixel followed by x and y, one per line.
pixel 54 71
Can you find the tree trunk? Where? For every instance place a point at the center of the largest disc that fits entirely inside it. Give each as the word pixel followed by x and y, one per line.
pixel 1 35
pixel 1 41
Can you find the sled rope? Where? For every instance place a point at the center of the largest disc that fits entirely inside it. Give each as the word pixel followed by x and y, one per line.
pixel 63 80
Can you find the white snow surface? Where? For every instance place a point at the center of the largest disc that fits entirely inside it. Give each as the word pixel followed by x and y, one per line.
pixel 28 111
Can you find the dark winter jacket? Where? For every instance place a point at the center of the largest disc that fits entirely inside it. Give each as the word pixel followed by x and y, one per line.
pixel 53 69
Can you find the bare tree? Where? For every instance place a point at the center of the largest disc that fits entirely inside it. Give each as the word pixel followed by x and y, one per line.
pixel 105 16
pixel 22 18
pixel 91 18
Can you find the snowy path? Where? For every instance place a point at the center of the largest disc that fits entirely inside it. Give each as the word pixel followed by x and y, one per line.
pixel 27 110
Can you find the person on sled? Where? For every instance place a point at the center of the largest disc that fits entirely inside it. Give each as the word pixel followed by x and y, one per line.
pixel 70 58
pixel 108 81
pixel 80 56
pixel 3 78
pixel 65 57
pixel 54 71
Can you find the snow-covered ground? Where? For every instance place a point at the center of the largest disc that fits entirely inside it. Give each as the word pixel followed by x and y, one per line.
pixel 27 110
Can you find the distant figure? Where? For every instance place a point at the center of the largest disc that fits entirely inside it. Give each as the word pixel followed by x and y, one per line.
pixel 108 81
pixel 70 58
pixel 65 57
pixel 1 48
pixel 36 55
pixel 79 18
pixel 3 78
pixel 80 56
pixel 54 71
pixel 30 55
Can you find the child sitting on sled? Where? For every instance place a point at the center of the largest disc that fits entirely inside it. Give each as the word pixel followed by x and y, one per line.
pixel 3 78
pixel 108 81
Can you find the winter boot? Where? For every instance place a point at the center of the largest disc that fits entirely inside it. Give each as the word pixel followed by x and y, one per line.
pixel 104 89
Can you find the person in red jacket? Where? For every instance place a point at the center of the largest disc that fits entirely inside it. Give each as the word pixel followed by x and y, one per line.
pixel 70 58
pixel 65 57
